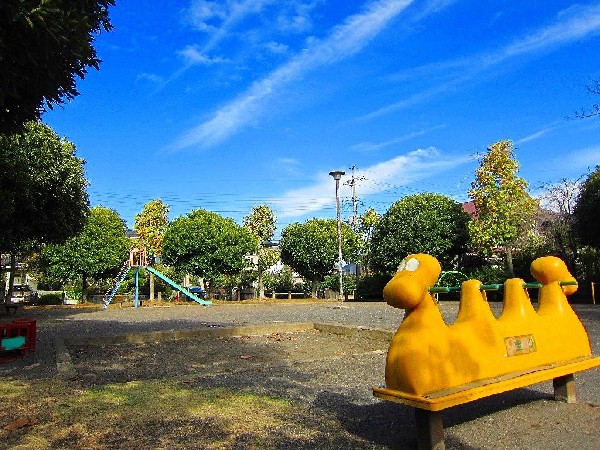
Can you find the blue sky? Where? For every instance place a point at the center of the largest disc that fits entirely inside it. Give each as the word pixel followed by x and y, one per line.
pixel 224 105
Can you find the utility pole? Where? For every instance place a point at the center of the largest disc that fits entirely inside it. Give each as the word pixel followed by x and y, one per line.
pixel 354 219
pixel 352 183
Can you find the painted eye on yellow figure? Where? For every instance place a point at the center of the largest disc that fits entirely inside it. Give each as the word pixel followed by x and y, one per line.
pixel 412 264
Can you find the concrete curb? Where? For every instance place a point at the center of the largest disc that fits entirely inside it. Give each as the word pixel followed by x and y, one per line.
pixel 64 363
pixel 346 330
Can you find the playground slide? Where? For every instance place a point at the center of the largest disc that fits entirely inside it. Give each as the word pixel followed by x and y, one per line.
pixel 178 287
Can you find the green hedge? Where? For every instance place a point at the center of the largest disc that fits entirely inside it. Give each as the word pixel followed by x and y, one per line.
pixel 50 299
pixel 370 287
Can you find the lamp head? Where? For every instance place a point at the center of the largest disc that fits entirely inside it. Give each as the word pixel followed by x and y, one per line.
pixel 337 174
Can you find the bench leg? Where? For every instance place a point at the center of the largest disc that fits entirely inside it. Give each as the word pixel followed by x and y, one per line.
pixel 430 430
pixel 564 389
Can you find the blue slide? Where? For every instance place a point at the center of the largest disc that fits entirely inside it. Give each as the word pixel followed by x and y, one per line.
pixel 178 287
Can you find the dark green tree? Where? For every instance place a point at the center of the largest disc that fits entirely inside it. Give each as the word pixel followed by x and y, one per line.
pixel 98 250
pixel 421 223
pixel 311 248
pixel 44 46
pixel 205 244
pixel 42 188
pixel 43 196
pixel 587 210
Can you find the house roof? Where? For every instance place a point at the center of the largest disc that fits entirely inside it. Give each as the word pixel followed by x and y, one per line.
pixel 469 208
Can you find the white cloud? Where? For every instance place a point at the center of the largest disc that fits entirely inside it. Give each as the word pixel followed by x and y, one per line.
pixel 573 24
pixel 213 16
pixel 219 18
pixel 399 171
pixel 582 159
pixel 152 77
pixel 432 7
pixel 202 14
pixel 287 166
pixel 276 47
pixel 533 136
pixel 192 55
pixel 295 16
pixel 345 40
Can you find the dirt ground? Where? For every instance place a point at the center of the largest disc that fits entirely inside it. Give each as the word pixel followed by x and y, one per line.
pixel 101 364
pixel 327 375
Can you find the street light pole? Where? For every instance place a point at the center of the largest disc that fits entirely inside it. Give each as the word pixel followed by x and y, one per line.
pixel 337 174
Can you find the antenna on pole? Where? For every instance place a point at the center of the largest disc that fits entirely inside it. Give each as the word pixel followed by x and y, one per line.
pixel 352 183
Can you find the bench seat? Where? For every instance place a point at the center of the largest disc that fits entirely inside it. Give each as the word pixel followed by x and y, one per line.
pixel 437 401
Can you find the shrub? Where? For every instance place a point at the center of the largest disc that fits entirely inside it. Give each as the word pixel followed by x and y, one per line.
pixel 370 287
pixel 50 299
pixel 282 281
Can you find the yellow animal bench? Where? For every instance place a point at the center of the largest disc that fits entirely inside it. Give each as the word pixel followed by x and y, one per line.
pixel 432 366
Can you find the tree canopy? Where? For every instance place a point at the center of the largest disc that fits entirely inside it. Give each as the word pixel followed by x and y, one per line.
pixel 505 211
pixel 367 223
pixel 261 223
pixel 44 45
pixel 43 194
pixel 151 225
pixel 97 251
pixel 205 244
pixel 587 210
pixel 311 248
pixel 420 223
pixel 558 220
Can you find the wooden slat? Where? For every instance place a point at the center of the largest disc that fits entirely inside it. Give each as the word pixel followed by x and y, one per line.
pixel 437 401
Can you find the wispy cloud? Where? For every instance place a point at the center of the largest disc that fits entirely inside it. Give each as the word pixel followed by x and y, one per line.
pixel 276 47
pixel 295 17
pixel 217 19
pixel 399 171
pixel 374 146
pixel 193 55
pixel 432 7
pixel 227 15
pixel 151 77
pixel 534 136
pixel 582 159
pixel 344 40
pixel 573 24
pixel 560 126
pixel 287 166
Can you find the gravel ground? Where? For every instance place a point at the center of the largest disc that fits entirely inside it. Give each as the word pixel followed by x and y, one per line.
pixel 330 372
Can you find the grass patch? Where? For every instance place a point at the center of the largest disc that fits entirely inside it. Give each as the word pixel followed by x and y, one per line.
pixel 49 414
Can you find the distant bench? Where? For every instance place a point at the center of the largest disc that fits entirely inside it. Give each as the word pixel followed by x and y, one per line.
pixel 9 306
pixel 288 295
pixel 429 407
